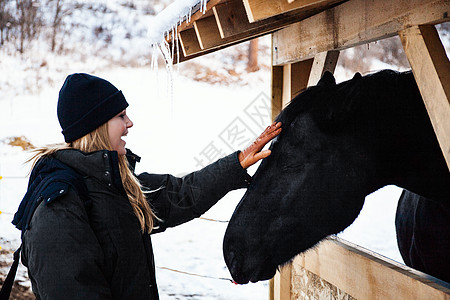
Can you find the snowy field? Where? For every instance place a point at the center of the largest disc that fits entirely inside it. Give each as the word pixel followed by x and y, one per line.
pixel 172 133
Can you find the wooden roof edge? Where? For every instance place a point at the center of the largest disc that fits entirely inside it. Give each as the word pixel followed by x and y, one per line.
pixel 226 24
pixel 197 13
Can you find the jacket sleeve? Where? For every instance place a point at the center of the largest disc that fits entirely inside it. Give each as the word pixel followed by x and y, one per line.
pixel 178 200
pixel 62 253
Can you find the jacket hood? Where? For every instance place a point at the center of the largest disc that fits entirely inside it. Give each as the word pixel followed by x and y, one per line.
pixel 49 180
pixel 102 164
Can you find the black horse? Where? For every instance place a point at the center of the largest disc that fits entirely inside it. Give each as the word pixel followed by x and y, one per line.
pixel 341 142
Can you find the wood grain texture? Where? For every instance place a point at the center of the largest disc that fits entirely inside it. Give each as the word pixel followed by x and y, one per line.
pixel 353 23
pixel 431 69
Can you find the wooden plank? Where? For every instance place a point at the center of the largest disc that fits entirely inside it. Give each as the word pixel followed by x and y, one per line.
pixel 271 289
pixel 295 80
pixel 189 42
pixel 367 275
pixel 243 30
pixel 353 23
pixel 431 69
pixel 286 92
pixel 306 284
pixel 207 31
pixel 232 18
pixel 300 73
pixel 196 15
pixel 277 91
pixel 282 283
pixel 262 9
pixel 323 61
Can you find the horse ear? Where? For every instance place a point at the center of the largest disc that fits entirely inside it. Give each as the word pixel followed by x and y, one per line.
pixel 327 79
pixel 357 76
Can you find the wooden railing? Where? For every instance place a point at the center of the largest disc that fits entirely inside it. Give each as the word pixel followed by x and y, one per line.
pixel 337 269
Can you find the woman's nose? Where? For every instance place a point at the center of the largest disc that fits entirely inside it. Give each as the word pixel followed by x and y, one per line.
pixel 129 122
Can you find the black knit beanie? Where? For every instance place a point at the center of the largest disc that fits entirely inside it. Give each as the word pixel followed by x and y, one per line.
pixel 85 102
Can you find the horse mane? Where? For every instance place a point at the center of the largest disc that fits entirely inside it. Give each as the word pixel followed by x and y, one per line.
pixel 331 107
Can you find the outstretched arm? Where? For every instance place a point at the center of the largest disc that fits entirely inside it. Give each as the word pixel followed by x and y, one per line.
pixel 178 200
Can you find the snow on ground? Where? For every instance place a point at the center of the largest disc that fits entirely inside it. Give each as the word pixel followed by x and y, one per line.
pixel 172 134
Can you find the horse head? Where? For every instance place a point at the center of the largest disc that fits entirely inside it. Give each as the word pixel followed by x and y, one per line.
pixel 339 143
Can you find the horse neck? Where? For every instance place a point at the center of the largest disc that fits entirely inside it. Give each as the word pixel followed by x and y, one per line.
pixel 414 160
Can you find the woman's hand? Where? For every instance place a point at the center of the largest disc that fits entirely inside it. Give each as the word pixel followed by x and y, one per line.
pixel 252 154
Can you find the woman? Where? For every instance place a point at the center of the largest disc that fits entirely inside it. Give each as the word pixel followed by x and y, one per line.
pixel 86 218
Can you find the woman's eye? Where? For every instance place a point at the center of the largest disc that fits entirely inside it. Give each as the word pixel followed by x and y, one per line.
pixel 122 116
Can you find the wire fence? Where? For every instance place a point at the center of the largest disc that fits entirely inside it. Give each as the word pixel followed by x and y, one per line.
pixel 9 213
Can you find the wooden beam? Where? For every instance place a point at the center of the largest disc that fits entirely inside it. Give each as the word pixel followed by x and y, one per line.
pixel 295 80
pixel 282 283
pixel 367 275
pixel 277 91
pixel 207 31
pixel 323 61
pixel 353 23
pixel 189 42
pixel 271 289
pixel 240 30
pixel 431 69
pixel 258 10
pixel 300 73
pixel 286 87
pixel 231 18
pixel 196 15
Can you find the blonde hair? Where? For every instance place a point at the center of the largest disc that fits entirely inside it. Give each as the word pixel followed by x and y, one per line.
pixel 99 140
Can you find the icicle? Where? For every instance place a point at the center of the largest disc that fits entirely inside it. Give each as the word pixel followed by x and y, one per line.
pixel 204 5
pixel 165 50
pixel 175 39
pixel 190 14
pixel 173 42
pixel 166 24
pixel 154 65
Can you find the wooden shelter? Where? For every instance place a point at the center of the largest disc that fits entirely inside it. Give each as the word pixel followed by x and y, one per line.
pixel 307 36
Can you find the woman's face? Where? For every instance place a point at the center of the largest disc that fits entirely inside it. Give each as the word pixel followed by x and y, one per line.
pixel 118 127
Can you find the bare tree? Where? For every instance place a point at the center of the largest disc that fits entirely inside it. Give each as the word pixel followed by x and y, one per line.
pixel 28 20
pixel 252 65
pixel 6 20
pixel 60 11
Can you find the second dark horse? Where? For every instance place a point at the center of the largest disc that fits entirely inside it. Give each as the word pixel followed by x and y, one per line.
pixel 341 142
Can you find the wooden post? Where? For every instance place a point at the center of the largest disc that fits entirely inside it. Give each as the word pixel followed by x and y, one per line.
pixel 431 69
pixel 271 289
pixel 300 72
pixel 295 79
pixel 277 91
pixel 288 81
pixel 282 283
